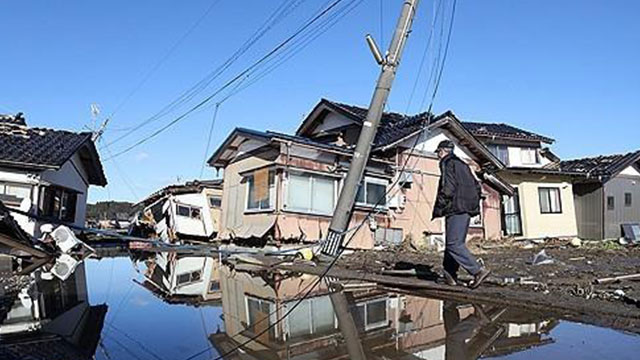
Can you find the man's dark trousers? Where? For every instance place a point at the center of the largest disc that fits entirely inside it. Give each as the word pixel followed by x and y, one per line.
pixel 456 253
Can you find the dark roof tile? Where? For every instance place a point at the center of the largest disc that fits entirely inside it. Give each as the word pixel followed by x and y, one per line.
pixel 503 131
pixel 606 165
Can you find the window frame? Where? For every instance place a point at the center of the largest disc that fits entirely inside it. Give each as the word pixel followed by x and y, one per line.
pixel 312 178
pixel 65 194
pixel 365 318
pixel 190 209
pixel 271 193
pixel 496 153
pixel 216 198
pixel 611 205
pixel 628 199
pixel 191 278
pixel 376 181
pixel 524 150
pixel 550 190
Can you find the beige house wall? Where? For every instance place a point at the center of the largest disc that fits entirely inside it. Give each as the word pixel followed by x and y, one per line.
pixel 535 224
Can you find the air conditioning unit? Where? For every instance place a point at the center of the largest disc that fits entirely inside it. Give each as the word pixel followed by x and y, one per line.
pixel 65 238
pixel 65 266
pixel 397 202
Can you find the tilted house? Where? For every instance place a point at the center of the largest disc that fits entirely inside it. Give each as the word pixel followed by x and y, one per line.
pixel 286 186
pixel 542 205
pixel 607 194
pixel 46 172
pixel 183 211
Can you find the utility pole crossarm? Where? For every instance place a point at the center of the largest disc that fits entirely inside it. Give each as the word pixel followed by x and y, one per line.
pixel 344 208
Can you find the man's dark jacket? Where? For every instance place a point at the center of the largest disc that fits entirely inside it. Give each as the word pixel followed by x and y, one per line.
pixel 458 191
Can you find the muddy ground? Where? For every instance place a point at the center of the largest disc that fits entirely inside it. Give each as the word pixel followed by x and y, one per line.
pixel 565 286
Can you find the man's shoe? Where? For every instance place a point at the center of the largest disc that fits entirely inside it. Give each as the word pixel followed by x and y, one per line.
pixel 449 279
pixel 479 278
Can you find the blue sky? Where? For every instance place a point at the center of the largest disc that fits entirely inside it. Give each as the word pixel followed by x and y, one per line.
pixel 567 69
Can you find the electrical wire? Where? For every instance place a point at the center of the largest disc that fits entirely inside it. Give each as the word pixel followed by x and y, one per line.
pixel 233 80
pixel 341 249
pixel 164 58
pixel 206 151
pixel 281 12
pixel 437 8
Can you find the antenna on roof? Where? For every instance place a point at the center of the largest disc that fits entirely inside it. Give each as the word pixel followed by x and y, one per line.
pixel 97 132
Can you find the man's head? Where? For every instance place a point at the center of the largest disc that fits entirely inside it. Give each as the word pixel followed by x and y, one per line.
pixel 444 148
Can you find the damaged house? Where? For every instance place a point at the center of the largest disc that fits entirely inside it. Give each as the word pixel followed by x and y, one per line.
pixel 181 212
pixel 542 205
pixel 46 172
pixel 607 195
pixel 285 187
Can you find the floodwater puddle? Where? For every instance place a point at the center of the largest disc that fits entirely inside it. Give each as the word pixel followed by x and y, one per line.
pixel 179 307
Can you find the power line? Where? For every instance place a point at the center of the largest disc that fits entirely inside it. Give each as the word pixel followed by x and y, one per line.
pixel 285 8
pixel 233 80
pixel 437 8
pixel 206 151
pixel 164 58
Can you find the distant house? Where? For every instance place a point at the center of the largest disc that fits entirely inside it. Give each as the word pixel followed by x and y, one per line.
pixel 46 172
pixel 542 205
pixel 184 211
pixel 286 186
pixel 607 193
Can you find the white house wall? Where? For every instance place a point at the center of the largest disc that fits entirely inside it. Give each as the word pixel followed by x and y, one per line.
pixel 189 265
pixel 332 121
pixel 190 226
pixel 23 178
pixel 630 171
pixel 429 141
pixel 72 176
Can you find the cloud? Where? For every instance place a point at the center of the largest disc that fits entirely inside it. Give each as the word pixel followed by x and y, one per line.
pixel 141 156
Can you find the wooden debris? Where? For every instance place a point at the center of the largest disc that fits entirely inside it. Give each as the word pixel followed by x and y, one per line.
pixel 617 278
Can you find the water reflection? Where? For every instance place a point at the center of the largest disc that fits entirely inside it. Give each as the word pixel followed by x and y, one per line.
pixel 168 306
pixel 52 319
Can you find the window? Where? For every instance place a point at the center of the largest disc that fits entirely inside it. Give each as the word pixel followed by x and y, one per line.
pixel 20 192
pixel 58 203
pixel 374 192
pixel 182 210
pixel 550 200
pixel 611 203
pixel 189 277
pixel 501 152
pixel 188 211
pixel 529 156
pixel 512 224
pixel 260 317
pixel 372 314
pixel 314 316
pixel 311 193
pixel 215 201
pixel 214 286
pixel 260 198
pixel 628 199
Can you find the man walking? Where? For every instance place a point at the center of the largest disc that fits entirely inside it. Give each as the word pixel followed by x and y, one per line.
pixel 457 201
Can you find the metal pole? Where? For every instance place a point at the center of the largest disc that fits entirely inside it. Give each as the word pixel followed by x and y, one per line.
pixel 344 208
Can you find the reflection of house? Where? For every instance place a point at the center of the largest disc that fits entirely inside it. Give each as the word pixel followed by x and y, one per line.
pixel 184 279
pixel 46 172
pixel 543 204
pixel 607 194
pixel 52 319
pixel 187 211
pixel 286 186
pixel 389 325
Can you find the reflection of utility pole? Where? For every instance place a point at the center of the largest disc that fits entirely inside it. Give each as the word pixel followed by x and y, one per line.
pixel 344 208
pixel 345 323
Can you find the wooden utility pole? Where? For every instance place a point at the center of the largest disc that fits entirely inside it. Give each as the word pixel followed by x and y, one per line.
pixel 344 208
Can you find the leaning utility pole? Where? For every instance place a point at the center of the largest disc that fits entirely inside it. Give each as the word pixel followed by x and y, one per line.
pixel 344 208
